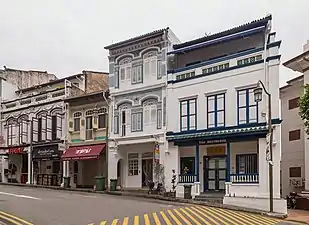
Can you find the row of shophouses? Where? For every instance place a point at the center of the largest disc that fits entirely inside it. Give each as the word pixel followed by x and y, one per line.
pixel 188 106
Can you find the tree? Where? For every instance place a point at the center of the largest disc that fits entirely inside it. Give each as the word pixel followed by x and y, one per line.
pixel 304 107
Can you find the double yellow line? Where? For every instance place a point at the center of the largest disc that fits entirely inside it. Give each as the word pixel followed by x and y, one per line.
pixel 13 219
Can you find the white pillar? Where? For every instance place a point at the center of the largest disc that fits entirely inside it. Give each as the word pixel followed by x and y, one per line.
pixel 276 161
pixel 171 163
pixel 30 169
pixel 263 169
pixel 113 157
pixel 306 172
pixel 5 165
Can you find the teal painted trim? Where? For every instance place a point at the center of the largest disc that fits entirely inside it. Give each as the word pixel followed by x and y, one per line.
pixel 100 138
pixel 75 140
pixel 221 71
pixel 197 162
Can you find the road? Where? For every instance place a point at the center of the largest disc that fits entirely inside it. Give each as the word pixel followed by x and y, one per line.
pixel 23 205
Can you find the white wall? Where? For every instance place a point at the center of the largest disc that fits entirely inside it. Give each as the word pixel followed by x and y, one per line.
pixel 8 91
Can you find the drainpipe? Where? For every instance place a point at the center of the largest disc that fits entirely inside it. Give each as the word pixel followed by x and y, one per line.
pixel 106 139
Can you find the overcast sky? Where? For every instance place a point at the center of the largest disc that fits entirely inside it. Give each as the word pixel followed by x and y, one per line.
pixel 67 36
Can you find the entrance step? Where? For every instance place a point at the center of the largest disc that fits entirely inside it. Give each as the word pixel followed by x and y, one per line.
pixel 210 197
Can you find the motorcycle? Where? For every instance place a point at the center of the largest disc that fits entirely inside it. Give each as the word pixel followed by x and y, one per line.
pixel 159 190
pixel 291 200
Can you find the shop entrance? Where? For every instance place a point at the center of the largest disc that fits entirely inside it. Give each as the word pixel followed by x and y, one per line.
pixel 214 173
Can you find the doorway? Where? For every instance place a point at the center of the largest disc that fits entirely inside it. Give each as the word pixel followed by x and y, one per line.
pixel 119 171
pixel 214 173
pixel 147 169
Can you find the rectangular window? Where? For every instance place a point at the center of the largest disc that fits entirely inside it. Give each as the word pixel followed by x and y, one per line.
pixel 293 103
pixel 294 135
pixel 136 122
pixel 188 115
pixel 246 164
pixel 295 171
pixel 216 111
pixel 187 165
pixel 125 73
pixel 54 127
pixel 132 164
pixel 247 107
pixel 159 73
pixel 76 124
pixel 150 66
pixel 102 121
pixel 89 128
pixel 137 76
pixel 249 60
pixel 116 125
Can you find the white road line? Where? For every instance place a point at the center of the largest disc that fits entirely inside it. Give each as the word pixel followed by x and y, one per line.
pixel 19 196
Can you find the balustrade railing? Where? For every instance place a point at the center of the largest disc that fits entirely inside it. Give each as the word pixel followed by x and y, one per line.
pixel 186 178
pixel 245 178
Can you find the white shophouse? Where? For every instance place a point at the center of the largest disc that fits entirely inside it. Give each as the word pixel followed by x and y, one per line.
pixel 137 82
pixel 216 131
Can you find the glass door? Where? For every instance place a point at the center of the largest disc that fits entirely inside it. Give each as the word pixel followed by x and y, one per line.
pixel 215 173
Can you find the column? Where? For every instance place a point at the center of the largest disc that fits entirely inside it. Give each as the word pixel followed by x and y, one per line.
pixel 276 161
pixel 228 149
pixel 5 162
pixel 306 174
pixel 113 157
pixel 171 163
pixel 263 169
pixel 197 162
pixel 30 171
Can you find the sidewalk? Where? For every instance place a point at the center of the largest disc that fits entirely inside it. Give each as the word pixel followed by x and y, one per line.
pixel 298 216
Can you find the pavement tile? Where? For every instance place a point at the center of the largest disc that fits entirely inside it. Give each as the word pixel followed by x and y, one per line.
pixel 193 215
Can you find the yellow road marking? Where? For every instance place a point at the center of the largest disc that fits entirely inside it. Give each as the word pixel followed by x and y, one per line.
pixel 125 221
pixel 115 221
pixel 102 223
pixel 261 218
pixel 191 217
pixel 10 220
pixel 198 216
pixel 182 217
pixel 206 215
pixel 227 217
pixel 167 221
pixel 215 215
pixel 16 218
pixel 136 220
pixel 174 217
pixel 146 218
pixel 237 216
pixel 156 219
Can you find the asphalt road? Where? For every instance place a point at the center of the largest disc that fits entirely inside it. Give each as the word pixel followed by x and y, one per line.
pixel 23 205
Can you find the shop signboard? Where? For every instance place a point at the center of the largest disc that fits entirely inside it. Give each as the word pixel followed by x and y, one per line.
pixel 46 152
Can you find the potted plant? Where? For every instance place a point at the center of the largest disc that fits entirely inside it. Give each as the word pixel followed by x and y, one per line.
pixel 172 192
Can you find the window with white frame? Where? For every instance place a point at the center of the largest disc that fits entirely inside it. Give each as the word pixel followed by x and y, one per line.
pixel 89 115
pixel 132 164
pixel 137 76
pixel 11 126
pixel 116 124
pixel 102 118
pixel 23 129
pixel 56 124
pixel 150 113
pixel 150 64
pixel 76 123
pixel 125 70
pixel 136 122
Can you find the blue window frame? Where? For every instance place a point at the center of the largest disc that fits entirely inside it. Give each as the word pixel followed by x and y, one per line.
pixel 247 164
pixel 216 110
pixel 188 113
pixel 247 107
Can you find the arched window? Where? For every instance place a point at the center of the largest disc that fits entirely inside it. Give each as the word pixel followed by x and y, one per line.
pixel 77 117
pixel 150 112
pixel 150 61
pixel 23 124
pixel 125 69
pixel 89 120
pixel 11 127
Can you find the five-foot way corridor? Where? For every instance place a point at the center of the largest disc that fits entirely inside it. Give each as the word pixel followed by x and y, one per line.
pixel 23 205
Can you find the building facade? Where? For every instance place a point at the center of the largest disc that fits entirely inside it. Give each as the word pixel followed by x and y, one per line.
pixel 292 138
pixel 216 131
pixel 137 83
pixel 34 129
pixel 86 138
pixel 299 166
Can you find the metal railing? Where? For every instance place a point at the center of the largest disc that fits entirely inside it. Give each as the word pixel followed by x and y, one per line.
pixel 245 178
pixel 186 178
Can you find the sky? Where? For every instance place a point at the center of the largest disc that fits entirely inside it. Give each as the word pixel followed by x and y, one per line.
pixel 65 37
